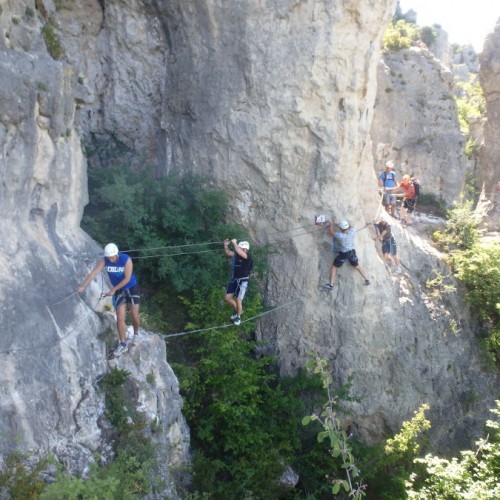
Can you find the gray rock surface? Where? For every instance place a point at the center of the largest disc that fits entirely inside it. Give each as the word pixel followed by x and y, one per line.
pixel 415 122
pixel 50 351
pixel 489 153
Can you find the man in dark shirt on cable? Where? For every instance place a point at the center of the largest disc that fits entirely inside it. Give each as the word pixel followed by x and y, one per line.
pixel 241 267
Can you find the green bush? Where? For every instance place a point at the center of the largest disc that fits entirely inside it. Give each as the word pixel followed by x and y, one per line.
pixel 428 35
pixel 349 482
pixel 399 35
pixel 244 420
pixel 479 270
pixel 52 42
pixel 471 103
pixel 18 480
pixel 177 221
pixel 474 475
pixel 461 230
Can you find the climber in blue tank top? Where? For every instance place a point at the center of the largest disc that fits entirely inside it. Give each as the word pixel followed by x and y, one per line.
pixel 125 291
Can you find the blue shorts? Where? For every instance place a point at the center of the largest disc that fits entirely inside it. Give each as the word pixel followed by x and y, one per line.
pixel 343 256
pixel 389 199
pixel 389 246
pixel 238 287
pixel 127 296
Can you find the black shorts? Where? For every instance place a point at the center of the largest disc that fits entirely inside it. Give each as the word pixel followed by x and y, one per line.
pixel 238 287
pixel 409 204
pixel 130 295
pixel 343 256
pixel 389 246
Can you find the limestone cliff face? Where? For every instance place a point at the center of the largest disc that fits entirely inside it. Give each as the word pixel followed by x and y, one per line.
pixel 50 353
pixel 274 101
pixel 489 152
pixel 415 122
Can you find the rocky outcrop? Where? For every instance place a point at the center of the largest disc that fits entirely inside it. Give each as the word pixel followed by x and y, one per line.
pixel 50 351
pixel 416 123
pixel 489 152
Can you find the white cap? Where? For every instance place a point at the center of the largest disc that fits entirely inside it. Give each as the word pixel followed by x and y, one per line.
pixel 343 224
pixel 110 250
pixel 244 244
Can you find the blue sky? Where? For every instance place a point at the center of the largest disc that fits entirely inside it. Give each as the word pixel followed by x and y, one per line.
pixel 465 21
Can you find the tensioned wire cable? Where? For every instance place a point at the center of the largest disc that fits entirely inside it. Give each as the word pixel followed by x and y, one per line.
pixel 147 249
pixel 189 332
pixel 214 250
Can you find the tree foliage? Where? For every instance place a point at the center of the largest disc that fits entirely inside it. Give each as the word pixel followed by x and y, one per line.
pixel 399 35
pixel 244 419
pixel 173 227
pixel 475 474
pixel 479 270
pixel 460 232
pixel 337 438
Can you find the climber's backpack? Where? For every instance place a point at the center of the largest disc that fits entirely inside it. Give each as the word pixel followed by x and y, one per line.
pixel 416 185
pixel 392 176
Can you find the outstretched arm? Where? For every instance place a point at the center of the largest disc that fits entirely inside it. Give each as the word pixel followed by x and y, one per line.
pixel 331 227
pixel 97 269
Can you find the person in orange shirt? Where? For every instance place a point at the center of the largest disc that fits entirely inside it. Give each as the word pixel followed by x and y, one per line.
pixel 409 200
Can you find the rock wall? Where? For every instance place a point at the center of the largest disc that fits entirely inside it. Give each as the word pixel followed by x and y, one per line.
pixel 280 115
pixel 489 152
pixel 415 122
pixel 274 101
pixel 50 351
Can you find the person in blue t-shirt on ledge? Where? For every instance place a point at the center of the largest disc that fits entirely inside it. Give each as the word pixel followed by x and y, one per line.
pixel 125 291
pixel 387 181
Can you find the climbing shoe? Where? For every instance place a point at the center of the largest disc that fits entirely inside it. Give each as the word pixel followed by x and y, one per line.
pixel 328 287
pixel 121 349
pixel 234 316
pixel 237 320
pixel 367 282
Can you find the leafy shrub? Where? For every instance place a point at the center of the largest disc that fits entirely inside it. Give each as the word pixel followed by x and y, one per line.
pixel 428 35
pixel 471 103
pixel 399 35
pixel 52 42
pixel 461 230
pixel 244 420
pixel 474 475
pixel 19 480
pixel 479 270
pixel 387 467
pixel 337 439
pixel 172 214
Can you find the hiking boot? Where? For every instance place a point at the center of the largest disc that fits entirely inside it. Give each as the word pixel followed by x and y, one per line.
pixel 121 349
pixel 237 320
pixel 367 282
pixel 135 340
pixel 328 287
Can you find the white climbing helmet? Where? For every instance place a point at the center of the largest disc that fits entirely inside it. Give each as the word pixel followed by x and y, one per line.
pixel 244 244
pixel 343 224
pixel 389 164
pixel 110 250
